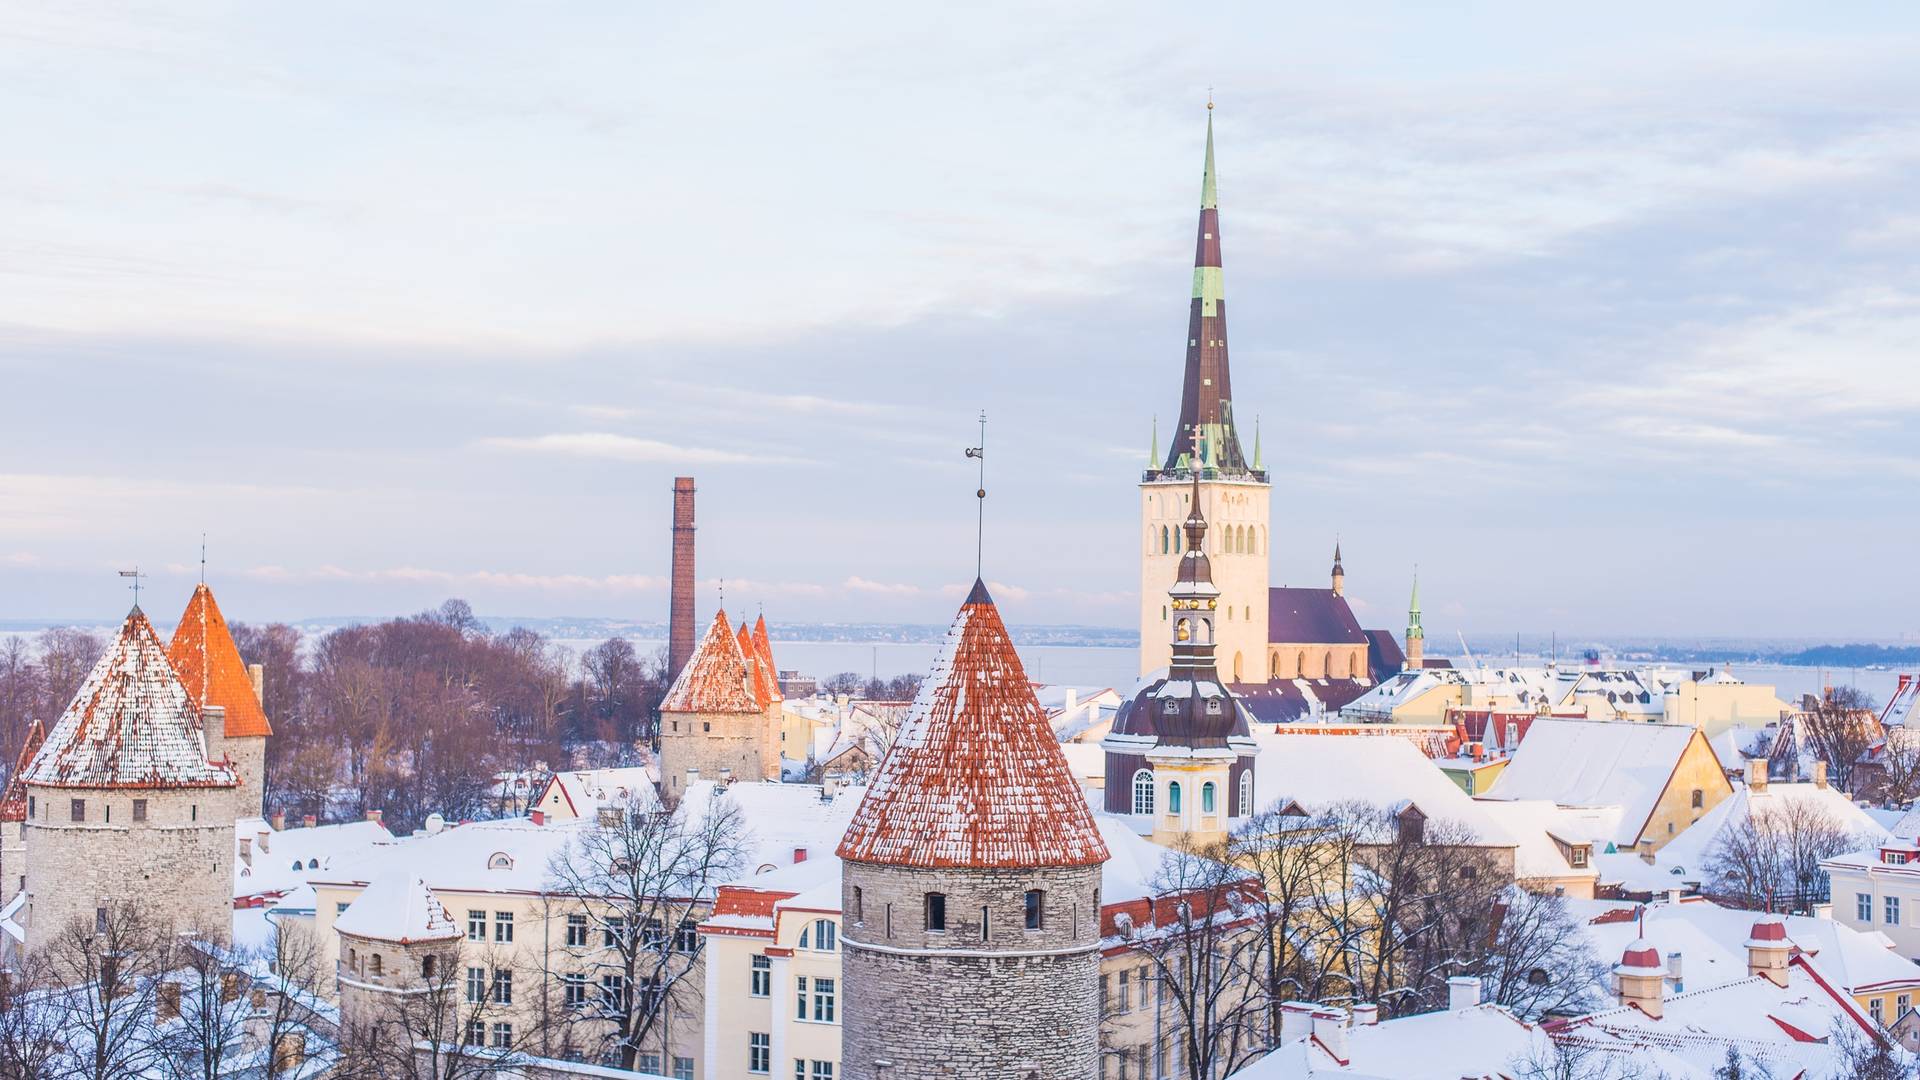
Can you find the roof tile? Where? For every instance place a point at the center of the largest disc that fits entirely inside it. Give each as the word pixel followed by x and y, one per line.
pixel 209 665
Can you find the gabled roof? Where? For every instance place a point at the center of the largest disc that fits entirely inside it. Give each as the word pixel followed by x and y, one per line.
pixel 13 804
pixel 717 678
pixel 1311 617
pixel 131 725
pixel 1600 763
pixel 397 906
pixel 975 777
pixel 1316 771
pixel 209 665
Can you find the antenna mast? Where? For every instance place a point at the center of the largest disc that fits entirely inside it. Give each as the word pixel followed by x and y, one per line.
pixel 979 453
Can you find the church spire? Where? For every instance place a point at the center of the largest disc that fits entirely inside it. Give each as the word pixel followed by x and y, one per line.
pixel 1339 572
pixel 1416 646
pixel 1206 398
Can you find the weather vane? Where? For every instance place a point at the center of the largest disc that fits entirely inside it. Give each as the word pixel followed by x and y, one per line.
pixel 979 453
pixel 136 575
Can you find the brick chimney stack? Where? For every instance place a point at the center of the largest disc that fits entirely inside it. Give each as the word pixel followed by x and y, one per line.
pixel 680 603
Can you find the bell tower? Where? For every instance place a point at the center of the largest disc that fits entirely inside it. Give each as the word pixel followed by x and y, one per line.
pixel 1232 494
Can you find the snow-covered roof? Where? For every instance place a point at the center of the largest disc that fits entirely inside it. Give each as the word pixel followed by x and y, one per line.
pixel 975 777
pixel 1683 859
pixel 1320 770
pixel 717 678
pixel 1478 1043
pixel 278 862
pixel 1597 763
pixel 582 792
pixel 397 906
pixel 1534 823
pixel 781 819
pixel 209 665
pixel 132 724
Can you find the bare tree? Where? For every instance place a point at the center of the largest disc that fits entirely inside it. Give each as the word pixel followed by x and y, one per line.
pixel 1895 769
pixel 1861 1056
pixel 1297 858
pixel 1574 1059
pixel 202 1009
pixel 67 654
pixel 1203 944
pixel 292 1009
pixel 632 888
pixel 1541 963
pixel 109 971
pixel 1839 728
pixel 1771 857
pixel 32 1029
pixel 448 1025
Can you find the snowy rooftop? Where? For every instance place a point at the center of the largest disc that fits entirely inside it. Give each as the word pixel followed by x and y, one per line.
pixel 397 906
pixel 716 678
pixel 1683 860
pixel 1320 770
pixel 279 862
pixel 132 724
pixel 1597 763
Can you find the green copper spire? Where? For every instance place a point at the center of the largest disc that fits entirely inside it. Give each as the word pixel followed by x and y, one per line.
pixel 1413 609
pixel 1256 445
pixel 1209 200
pixel 1153 455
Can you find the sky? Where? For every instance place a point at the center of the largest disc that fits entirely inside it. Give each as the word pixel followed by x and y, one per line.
pixel 1605 320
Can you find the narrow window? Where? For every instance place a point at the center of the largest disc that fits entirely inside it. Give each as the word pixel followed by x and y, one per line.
pixel 1036 909
pixel 889 914
pixel 937 912
pixel 1246 793
pixel 503 986
pixel 502 1035
pixel 800 998
pixel 427 965
pixel 760 977
pixel 1699 798
pixel 759 1051
pixel 859 904
pixel 823 1000
pixel 1143 791
pixel 1206 798
pixel 503 926
pixel 476 925
pixel 373 964
pixel 476 985
pixel 78 810
pixel 1173 797
pixel 984 923
pixel 576 930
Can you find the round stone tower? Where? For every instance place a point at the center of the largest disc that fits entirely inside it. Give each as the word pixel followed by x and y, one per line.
pixel 971 885
pixel 123 805
pixel 396 941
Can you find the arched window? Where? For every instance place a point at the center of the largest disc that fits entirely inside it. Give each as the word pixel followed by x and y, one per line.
pixel 1246 793
pixel 1326 663
pixel 1300 665
pixel 1273 666
pixel 1207 798
pixel 353 961
pixel 313 864
pixel 1236 668
pixel 1699 798
pixel 1176 541
pixel 1173 797
pixel 500 860
pixel 825 936
pixel 1143 791
pixel 1165 545
pixel 1182 630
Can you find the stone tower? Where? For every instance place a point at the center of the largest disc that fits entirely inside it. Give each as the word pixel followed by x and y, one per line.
pixel 209 666
pixel 13 819
pixel 680 600
pixel 1233 494
pixel 1180 753
pixel 970 884
pixel 123 804
pixel 758 650
pixel 396 940
pixel 712 723
pixel 1416 635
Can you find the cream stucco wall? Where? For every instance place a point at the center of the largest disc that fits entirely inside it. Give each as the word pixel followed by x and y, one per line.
pixel 1232 508
pixel 1698 770
pixel 1715 707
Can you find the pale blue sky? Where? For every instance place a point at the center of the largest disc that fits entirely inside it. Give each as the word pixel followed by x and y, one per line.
pixel 1607 320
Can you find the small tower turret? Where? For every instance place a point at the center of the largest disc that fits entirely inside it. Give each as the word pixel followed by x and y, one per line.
pixel 1339 572
pixel 1416 634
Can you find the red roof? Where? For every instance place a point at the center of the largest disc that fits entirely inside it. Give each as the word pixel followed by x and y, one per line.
pixel 131 725
pixel 975 777
pixel 209 665
pixel 717 678
pixel 765 689
pixel 764 649
pixel 13 805
pixel 1769 929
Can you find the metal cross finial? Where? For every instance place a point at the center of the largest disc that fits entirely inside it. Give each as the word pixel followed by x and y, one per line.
pixel 979 453
pixel 136 575
pixel 1209 97
pixel 203 558
pixel 723 594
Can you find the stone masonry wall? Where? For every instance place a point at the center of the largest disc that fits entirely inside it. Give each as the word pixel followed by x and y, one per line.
pixel 249 756
pixel 711 742
pixel 178 863
pixel 1020 1005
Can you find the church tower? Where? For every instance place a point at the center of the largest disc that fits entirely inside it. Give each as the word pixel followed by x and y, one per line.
pixel 1232 494
pixel 1416 636
pixel 970 884
pixel 1339 572
pixel 1180 753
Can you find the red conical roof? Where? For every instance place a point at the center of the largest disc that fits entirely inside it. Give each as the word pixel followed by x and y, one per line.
pixel 975 777
pixel 209 665
pixel 763 648
pixel 13 805
pixel 716 678
pixel 131 725
pixel 758 675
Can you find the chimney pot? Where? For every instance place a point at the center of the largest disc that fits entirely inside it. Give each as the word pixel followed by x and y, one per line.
pixel 309 821
pixel 1820 774
pixel 799 854
pixel 1757 776
pixel 257 676
pixel 1330 1027
pixel 1366 1015
pixel 1296 1020
pixel 1463 992
pixel 375 816
pixel 279 820
pixel 1646 852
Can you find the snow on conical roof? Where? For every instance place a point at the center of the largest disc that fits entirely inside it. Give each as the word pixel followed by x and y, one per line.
pixel 209 665
pixel 397 907
pixel 975 777
pixel 716 678
pixel 131 725
pixel 13 804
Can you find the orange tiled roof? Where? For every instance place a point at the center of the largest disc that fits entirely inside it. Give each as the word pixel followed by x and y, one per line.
pixel 764 648
pixel 975 777
pixel 209 664
pixel 757 671
pixel 716 678
pixel 13 805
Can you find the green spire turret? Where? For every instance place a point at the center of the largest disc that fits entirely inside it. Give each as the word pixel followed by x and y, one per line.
pixel 1153 455
pixel 1209 199
pixel 1414 629
pixel 1256 444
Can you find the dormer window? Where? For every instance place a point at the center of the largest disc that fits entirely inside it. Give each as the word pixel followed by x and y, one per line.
pixel 1213 706
pixel 500 860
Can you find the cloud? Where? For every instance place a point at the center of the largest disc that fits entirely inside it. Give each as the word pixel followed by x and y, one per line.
pixel 602 444
pixel 860 584
pixel 472 578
